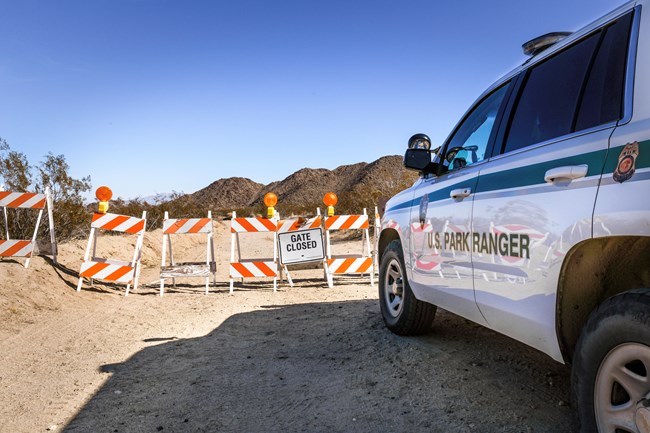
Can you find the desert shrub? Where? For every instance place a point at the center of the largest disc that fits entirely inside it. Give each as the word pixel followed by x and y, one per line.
pixel 69 212
pixel 53 172
pixel 14 169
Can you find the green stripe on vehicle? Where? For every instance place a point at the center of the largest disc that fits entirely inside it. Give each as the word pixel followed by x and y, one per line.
pixel 534 174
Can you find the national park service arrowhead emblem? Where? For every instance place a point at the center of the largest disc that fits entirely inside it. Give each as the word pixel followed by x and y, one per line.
pixel 626 162
pixel 424 205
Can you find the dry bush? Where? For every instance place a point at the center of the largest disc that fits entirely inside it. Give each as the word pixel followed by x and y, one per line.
pixel 68 203
pixel 68 210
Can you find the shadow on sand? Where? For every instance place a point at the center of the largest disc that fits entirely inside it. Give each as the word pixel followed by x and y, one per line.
pixel 330 367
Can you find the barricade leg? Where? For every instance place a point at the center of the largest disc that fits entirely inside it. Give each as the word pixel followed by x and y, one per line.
pixel 288 275
pixel 232 256
pixel 213 261
pixel 366 233
pixel 38 222
pixel 4 210
pixel 328 255
pixel 137 277
pixel 375 250
pixel 50 217
pixel 164 259
pixel 239 253
pixel 207 259
pixel 91 238
pixel 171 259
pixel 137 255
pixel 328 276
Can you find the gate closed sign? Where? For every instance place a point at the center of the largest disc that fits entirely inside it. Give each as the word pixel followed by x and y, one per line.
pixel 301 246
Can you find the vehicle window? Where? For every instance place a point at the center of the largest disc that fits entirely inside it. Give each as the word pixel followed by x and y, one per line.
pixel 550 96
pixel 470 141
pixel 603 99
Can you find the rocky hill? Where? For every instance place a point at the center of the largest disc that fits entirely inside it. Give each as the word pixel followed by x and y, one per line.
pixel 233 192
pixel 305 188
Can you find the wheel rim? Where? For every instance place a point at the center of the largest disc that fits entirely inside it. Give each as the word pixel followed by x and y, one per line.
pixel 622 389
pixel 394 288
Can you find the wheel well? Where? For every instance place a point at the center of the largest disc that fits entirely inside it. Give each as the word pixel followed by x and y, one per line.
pixel 593 271
pixel 385 238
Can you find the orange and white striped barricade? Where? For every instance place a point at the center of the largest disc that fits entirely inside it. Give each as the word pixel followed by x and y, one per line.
pixel 26 200
pixel 187 226
pixel 117 271
pixel 348 264
pixel 256 267
pixel 304 236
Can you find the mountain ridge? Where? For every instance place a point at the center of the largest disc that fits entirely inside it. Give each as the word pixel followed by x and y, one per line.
pixel 353 183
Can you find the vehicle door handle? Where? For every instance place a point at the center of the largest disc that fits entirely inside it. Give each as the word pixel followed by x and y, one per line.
pixel 568 172
pixel 461 193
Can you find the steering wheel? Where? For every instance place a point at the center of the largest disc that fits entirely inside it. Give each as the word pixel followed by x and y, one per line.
pixel 451 152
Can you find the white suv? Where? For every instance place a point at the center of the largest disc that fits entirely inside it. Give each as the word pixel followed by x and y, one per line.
pixel 533 218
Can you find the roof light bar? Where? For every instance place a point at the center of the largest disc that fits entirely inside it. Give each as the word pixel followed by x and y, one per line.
pixel 540 43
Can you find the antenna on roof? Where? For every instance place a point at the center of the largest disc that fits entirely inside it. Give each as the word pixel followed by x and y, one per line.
pixel 540 43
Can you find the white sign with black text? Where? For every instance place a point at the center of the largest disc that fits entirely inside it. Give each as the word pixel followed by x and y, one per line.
pixel 301 246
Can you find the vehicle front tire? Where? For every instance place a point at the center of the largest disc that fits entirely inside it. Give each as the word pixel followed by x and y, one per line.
pixel 610 375
pixel 402 312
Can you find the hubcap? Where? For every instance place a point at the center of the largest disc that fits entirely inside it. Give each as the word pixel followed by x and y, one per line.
pixel 621 390
pixel 394 288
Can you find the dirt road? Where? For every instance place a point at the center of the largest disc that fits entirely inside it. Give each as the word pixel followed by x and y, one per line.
pixel 304 359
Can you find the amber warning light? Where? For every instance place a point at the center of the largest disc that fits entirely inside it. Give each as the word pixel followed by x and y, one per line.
pixel 103 194
pixel 270 200
pixel 330 199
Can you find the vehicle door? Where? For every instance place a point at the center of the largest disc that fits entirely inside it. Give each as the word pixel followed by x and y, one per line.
pixel 440 263
pixel 535 197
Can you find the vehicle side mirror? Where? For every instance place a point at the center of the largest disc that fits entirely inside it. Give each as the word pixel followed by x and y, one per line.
pixel 418 159
pixel 418 154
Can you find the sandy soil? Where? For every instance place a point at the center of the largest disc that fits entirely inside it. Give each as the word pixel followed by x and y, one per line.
pixel 304 359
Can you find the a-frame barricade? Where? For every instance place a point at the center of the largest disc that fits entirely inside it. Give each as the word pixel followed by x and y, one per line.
pixel 175 270
pixel 117 271
pixel 295 224
pixel 348 264
pixel 252 267
pixel 26 200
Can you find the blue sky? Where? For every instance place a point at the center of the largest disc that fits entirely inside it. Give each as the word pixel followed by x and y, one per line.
pixel 150 96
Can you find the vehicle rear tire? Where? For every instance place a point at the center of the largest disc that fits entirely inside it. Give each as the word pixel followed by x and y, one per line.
pixel 610 375
pixel 402 312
